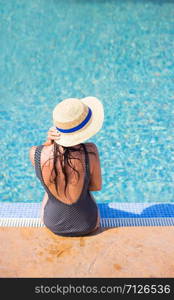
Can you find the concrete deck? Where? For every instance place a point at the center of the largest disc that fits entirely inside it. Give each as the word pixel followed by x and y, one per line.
pixel 115 252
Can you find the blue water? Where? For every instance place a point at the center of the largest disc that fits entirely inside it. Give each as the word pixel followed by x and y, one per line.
pixel 119 51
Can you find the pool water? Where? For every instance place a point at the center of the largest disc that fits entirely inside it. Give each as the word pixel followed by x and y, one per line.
pixel 119 51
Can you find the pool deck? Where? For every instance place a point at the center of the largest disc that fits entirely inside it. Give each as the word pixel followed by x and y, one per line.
pixel 110 252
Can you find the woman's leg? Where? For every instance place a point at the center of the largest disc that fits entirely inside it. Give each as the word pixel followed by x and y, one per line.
pixel 44 201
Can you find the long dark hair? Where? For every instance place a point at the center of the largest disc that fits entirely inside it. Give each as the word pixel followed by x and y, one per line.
pixel 66 156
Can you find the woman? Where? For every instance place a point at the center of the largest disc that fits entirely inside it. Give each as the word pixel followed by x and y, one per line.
pixel 69 169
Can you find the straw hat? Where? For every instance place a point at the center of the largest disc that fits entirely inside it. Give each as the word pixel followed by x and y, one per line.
pixel 77 120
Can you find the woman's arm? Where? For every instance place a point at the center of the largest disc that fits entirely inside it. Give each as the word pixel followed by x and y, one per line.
pixel 52 135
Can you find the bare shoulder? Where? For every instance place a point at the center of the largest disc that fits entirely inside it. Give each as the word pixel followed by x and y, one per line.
pixel 33 148
pixel 32 151
pixel 94 155
pixel 91 147
pixel 47 150
pixel 47 155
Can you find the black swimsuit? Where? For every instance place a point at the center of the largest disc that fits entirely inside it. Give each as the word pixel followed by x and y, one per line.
pixel 74 219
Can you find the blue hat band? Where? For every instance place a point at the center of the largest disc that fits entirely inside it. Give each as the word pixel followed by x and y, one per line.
pixel 78 127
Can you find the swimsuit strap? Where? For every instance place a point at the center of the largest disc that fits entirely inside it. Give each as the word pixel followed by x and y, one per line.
pixel 38 165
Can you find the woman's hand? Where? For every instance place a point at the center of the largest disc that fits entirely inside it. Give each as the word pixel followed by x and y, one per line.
pixel 53 134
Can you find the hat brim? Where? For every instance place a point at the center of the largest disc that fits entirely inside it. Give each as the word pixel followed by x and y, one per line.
pixel 95 124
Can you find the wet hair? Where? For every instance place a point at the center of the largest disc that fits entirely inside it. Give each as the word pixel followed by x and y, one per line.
pixel 66 156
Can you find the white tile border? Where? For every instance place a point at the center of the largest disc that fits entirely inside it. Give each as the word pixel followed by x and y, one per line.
pixel 20 214
pixel 126 222
pixel 21 222
pixel 105 222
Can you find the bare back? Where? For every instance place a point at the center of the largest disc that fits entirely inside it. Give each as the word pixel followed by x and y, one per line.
pixel 75 184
